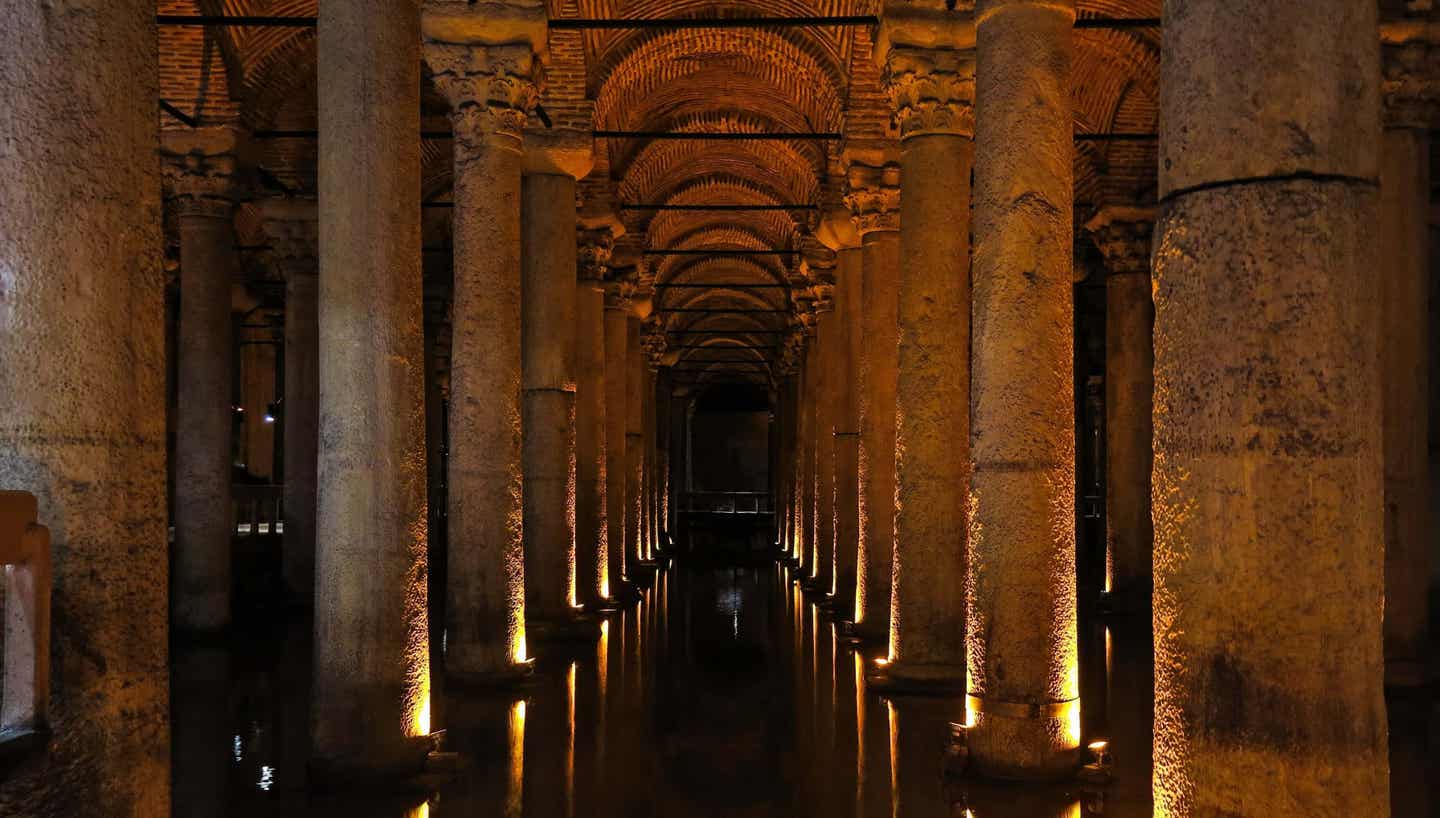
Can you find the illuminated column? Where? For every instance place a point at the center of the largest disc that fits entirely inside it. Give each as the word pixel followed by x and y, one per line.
pixel 82 394
pixel 634 445
pixel 617 311
pixel 1268 481
pixel 293 231
pixel 824 406
pixel 370 708
pixel 874 202
pixel 1411 76
pixel 663 400
pixel 932 91
pixel 1123 236
pixel 809 397
pixel 1022 671
pixel 548 299
pixel 647 451
pixel 490 88
pixel 839 234
pixel 592 533
pixel 199 173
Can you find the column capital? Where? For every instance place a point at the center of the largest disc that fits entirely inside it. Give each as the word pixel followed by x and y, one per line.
pixel 837 230
pixel 292 227
pixel 595 245
pixel 1410 73
pixel 872 190
pixel 485 59
pixel 926 54
pixel 1123 236
pixel 200 169
pixel 618 295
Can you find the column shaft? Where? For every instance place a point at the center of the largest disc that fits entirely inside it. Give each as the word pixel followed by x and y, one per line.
pixel 825 397
pixel 1023 675
pixel 663 434
pixel 548 306
pixel 927 633
pixel 1405 326
pixel 848 318
pixel 879 373
pixel 82 392
pixel 617 338
pixel 1268 479
pixel 203 527
pixel 371 687
pixel 647 474
pixel 257 396
pixel 634 444
pixel 302 430
pixel 810 398
pixel 592 552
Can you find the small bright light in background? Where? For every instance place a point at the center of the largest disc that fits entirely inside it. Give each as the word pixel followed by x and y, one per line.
pixel 882 661
pixel 239 749
pixel 271 411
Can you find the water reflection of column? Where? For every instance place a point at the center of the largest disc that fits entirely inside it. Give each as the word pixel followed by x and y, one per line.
pixel 917 729
pixel 1130 650
pixel 200 731
pixel 844 717
pixel 872 762
pixel 822 759
pixel 550 744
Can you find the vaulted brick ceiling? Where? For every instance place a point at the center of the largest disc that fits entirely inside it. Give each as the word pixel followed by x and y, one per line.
pixel 820 79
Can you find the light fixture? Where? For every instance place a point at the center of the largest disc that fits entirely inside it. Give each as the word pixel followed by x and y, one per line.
pixel 272 411
pixel 1098 764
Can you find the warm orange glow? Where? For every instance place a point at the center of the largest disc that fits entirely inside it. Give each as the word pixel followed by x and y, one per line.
pixel 882 661
pixel 514 796
pixel 893 719
pixel 421 811
pixel 417 640
pixel 570 741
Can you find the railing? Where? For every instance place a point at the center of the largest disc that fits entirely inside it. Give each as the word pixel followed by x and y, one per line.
pixel 751 503
pixel 258 509
pixel 25 555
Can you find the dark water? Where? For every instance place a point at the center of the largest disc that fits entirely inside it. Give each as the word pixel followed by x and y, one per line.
pixel 724 693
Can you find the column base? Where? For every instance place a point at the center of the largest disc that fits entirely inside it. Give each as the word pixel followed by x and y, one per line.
pixel 1405 674
pixel 870 634
pixel 403 772
pixel 622 596
pixel 815 585
pixel 1126 600
pixel 503 678
pixel 641 574
pixel 1023 742
pixel 905 679
pixel 578 627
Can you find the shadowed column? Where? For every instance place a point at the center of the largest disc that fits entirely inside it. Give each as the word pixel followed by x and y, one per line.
pixel 634 445
pixel 1022 674
pixel 825 389
pixel 199 172
pixel 82 393
pixel 617 339
pixel 1268 479
pixel 929 73
pixel 592 530
pixel 874 202
pixel 370 710
pixel 489 77
pixel 1411 76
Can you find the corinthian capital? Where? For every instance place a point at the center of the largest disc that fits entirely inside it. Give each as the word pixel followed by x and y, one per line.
pixel 292 230
pixel 926 52
pixel 200 168
pixel 1123 236
pixel 1410 75
pixel 485 58
pixel 873 192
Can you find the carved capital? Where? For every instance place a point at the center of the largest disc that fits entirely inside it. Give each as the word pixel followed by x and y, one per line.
pixel 1410 80
pixel 873 196
pixel 618 295
pixel 292 230
pixel 491 90
pixel 1123 236
pixel 932 91
pixel 200 170
pixel 594 247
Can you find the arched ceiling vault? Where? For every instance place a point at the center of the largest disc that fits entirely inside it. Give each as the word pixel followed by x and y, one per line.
pixel 815 79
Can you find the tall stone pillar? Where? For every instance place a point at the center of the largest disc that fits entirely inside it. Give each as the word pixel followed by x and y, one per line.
pixel 489 74
pixel 1411 87
pixel 663 400
pixel 259 370
pixel 839 234
pixel 199 172
pixel 617 339
pixel 806 493
pixel 548 302
pixel 1122 235
pixel 1023 705
pixel 592 531
pixel 371 692
pixel 634 445
pixel 293 230
pixel 1268 487
pixel 929 72
pixel 824 407
pixel 82 393
pixel 785 477
pixel 874 202
pixel 647 454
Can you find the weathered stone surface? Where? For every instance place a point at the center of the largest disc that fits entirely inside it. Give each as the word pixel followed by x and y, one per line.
pixel 617 310
pixel 372 676
pixel 879 365
pixel 82 412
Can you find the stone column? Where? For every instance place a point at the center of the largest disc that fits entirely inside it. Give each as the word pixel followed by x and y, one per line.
pixel 370 708
pixel 592 533
pixel 839 234
pixel 548 298
pixel 199 172
pixel 824 407
pixel 785 475
pixel 489 74
pixel 634 445
pixel 874 202
pixel 929 72
pixel 1123 236
pixel 1022 668
pixel 617 339
pixel 1268 487
pixel 258 382
pixel 663 393
pixel 293 230
pixel 647 455
pixel 1411 87
pixel 809 396
pixel 82 393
